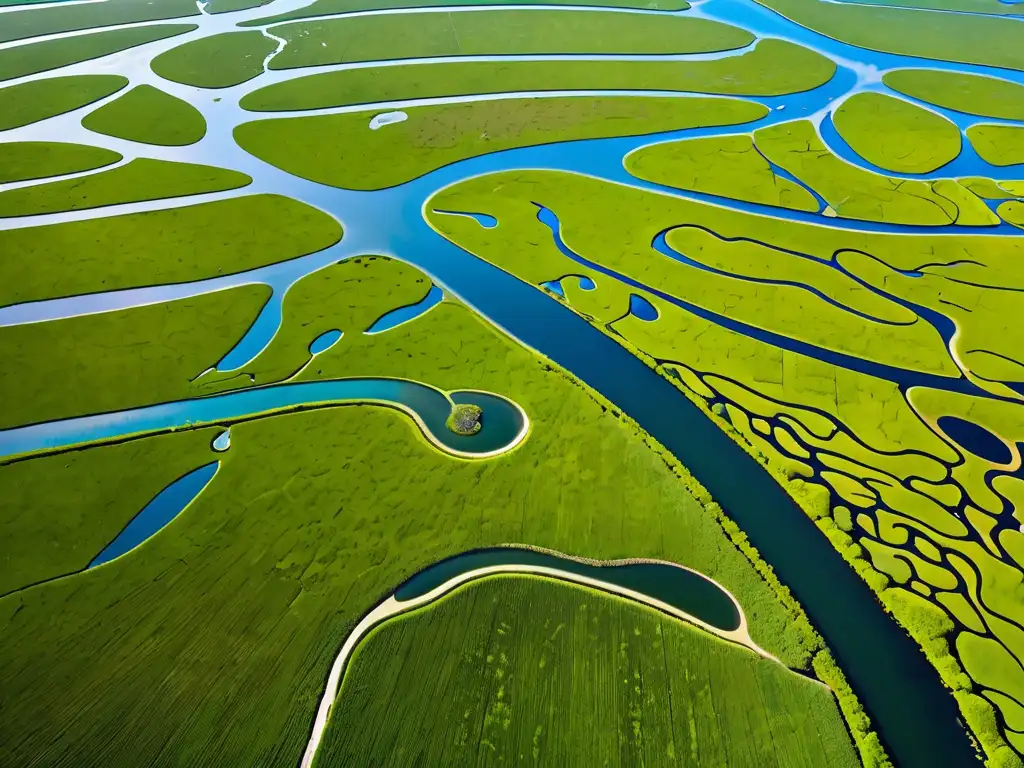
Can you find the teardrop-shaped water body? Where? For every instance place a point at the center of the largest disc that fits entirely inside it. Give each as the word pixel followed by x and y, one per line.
pixel 324 341
pixel 156 515
pixel 485 220
pixel 222 442
pixel 642 308
pixel 396 317
pixel 586 283
pixel 681 588
pixel 975 439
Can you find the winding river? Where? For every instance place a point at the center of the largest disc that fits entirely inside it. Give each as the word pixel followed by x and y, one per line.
pixel 914 714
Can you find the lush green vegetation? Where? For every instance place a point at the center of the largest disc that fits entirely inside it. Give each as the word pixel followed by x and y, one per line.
pixel 139 180
pixel 58 17
pixel 998 144
pixel 464 419
pixel 895 135
pixel 729 166
pixel 325 301
pixel 874 451
pixel 43 536
pixel 313 518
pixel 516 667
pixel 971 39
pixel 331 7
pixel 226 6
pixel 412 35
pixel 218 61
pixel 24 160
pixel 30 102
pixel 117 360
pixel 341 151
pixel 43 56
pixel 149 115
pixel 974 94
pixel 855 193
pixel 772 68
pixel 176 245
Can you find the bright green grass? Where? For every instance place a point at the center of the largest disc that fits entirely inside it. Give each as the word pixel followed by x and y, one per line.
pixel 177 245
pixel 24 160
pixel 321 302
pixel 966 6
pixel 896 135
pixel 37 100
pixel 998 144
pixel 219 61
pixel 520 667
pixel 46 536
pixel 18 25
pixel 331 7
pixel 312 519
pixel 729 166
pixel 413 35
pixel 342 151
pixel 772 68
pixel 971 39
pixel 137 181
pixel 148 115
pixel 31 58
pixel 973 94
pixel 226 6
pixel 861 426
pixel 118 360
pixel 854 193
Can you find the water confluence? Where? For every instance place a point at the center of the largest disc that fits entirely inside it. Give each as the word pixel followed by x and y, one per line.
pixel 503 423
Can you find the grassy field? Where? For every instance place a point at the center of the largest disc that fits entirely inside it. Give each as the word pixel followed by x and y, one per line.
pixel 974 94
pixel 772 68
pixel 117 360
pixel 30 102
pixel 926 529
pixel 512 31
pixel 998 144
pixel 148 115
pixel 159 247
pixel 58 17
pixel 311 519
pixel 729 166
pixel 26 160
pixel 218 61
pixel 31 58
pixel 966 38
pixel 340 151
pixel 137 181
pixel 331 7
pixel 895 135
pixel 518 669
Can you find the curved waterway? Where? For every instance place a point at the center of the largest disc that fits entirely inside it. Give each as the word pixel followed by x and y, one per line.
pixel 503 423
pixel 680 592
pixel 914 714
pixel 689 591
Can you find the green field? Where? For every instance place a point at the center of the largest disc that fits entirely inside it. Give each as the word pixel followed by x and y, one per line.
pixel 514 668
pixel 334 519
pixel 411 35
pixel 803 215
pixel 772 68
pixel 893 483
pixel 340 151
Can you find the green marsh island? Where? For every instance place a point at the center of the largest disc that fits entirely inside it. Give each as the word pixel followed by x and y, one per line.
pixel 558 384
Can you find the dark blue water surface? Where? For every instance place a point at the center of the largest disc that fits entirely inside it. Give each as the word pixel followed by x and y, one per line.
pixel 686 590
pixel 164 507
pixel 976 439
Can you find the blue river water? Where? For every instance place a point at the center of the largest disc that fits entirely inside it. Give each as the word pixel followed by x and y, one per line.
pixel 164 507
pixel 915 715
